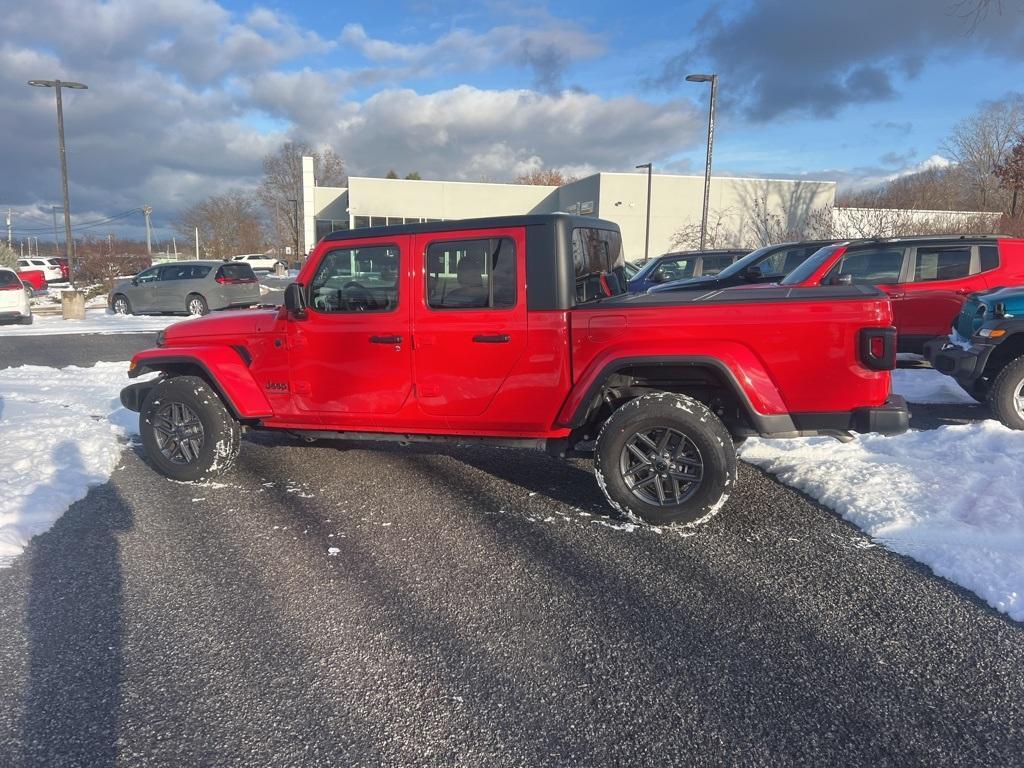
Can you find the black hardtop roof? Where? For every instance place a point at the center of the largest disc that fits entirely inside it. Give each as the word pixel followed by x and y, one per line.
pixel 456 225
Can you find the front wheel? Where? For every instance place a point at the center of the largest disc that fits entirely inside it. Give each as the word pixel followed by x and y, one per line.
pixel 1006 394
pixel 665 458
pixel 121 306
pixel 187 432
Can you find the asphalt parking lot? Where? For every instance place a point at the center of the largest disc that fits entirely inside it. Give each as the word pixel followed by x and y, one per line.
pixel 356 604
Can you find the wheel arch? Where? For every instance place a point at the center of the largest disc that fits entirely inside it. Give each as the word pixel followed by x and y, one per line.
pixel 1005 352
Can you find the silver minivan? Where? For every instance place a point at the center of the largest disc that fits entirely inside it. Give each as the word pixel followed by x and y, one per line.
pixel 189 287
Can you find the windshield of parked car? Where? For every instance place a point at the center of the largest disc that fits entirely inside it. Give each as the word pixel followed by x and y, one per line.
pixel 810 266
pixel 600 263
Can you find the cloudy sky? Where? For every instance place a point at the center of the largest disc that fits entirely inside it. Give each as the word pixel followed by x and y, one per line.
pixel 186 96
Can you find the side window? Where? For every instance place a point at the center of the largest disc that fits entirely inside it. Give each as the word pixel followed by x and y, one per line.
pixel 674 269
pixel 870 265
pixel 942 263
pixel 361 279
pixel 715 264
pixel 599 263
pixel 472 274
pixel 150 275
pixel 989 257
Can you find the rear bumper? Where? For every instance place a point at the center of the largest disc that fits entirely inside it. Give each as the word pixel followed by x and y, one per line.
pixel 892 418
pixel 964 365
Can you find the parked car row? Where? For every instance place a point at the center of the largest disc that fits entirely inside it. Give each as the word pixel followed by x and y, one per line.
pixel 188 287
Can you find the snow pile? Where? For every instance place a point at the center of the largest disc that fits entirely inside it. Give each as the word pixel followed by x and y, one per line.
pixel 952 498
pixel 928 386
pixel 96 321
pixel 61 431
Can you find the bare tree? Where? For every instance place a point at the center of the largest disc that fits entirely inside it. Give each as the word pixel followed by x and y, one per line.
pixel 720 235
pixel 1010 173
pixel 229 224
pixel 545 177
pixel 282 183
pixel 980 143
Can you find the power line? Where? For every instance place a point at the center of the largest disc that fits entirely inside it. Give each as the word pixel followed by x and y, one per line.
pixel 85 224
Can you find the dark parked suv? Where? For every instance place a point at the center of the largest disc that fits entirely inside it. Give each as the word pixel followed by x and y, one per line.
pixel 189 287
pixel 765 265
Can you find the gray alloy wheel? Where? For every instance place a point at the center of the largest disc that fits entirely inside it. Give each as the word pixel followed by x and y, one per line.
pixel 179 433
pixel 1006 394
pixel 196 305
pixel 121 306
pixel 661 466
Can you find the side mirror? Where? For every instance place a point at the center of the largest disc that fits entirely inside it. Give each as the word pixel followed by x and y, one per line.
pixel 135 281
pixel 658 277
pixel 753 272
pixel 295 300
pixel 843 279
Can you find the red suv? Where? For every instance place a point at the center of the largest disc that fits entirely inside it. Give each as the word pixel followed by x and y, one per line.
pixel 926 278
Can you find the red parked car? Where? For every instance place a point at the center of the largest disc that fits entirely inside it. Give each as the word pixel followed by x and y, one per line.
pixel 518 331
pixel 926 278
pixel 35 278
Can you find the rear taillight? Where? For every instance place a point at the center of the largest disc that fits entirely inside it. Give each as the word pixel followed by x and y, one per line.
pixel 878 348
pixel 234 280
pixel 222 280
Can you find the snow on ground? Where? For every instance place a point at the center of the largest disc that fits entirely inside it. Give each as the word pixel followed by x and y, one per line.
pixel 97 321
pixel 928 386
pixel 952 498
pixel 61 431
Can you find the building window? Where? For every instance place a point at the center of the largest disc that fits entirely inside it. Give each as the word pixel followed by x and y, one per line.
pixel 360 222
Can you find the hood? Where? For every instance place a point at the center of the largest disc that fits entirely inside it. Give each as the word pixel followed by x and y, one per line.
pixel 979 308
pixel 1011 298
pixel 231 322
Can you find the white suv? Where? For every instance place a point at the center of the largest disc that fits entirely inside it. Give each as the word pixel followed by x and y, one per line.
pixel 51 270
pixel 14 303
pixel 259 261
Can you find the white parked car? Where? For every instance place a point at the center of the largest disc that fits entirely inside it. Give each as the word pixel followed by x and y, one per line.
pixel 259 261
pixel 14 303
pixel 50 268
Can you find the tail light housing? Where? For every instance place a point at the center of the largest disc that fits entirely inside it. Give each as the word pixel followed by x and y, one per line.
pixel 877 347
pixel 234 280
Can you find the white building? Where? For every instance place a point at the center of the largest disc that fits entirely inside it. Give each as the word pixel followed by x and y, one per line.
pixel 736 205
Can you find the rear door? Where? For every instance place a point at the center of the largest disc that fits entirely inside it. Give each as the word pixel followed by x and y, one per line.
pixel 350 357
pixel 469 319
pixel 941 276
pixel 238 283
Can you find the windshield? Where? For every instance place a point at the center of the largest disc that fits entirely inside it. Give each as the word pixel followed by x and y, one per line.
pixel 809 267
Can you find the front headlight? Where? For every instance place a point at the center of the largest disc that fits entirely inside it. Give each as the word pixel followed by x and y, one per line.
pixel 992 333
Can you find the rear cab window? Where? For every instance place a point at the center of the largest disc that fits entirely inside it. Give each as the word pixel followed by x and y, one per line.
pixel 599 263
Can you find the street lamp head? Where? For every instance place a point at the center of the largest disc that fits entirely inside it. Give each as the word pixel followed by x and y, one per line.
pixel 645 165
pixel 54 83
pixel 700 78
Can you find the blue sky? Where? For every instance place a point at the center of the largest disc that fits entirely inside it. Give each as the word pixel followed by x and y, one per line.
pixel 186 96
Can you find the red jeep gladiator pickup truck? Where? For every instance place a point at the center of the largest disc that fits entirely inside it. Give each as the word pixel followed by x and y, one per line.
pixel 518 331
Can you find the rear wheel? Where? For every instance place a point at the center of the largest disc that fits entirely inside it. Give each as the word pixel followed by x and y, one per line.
pixel 1006 394
pixel 665 458
pixel 187 432
pixel 196 305
pixel 121 306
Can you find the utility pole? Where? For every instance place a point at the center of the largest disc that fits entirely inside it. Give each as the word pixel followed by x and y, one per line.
pixel 295 207
pixel 174 242
pixel 56 238
pixel 197 243
pixel 147 210
pixel 57 85
pixel 9 245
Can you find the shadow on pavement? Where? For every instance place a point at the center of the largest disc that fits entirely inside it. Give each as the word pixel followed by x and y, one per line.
pixel 73 627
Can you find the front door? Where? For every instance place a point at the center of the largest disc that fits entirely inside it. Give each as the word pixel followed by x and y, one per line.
pixel 940 279
pixel 142 292
pixel 351 356
pixel 469 321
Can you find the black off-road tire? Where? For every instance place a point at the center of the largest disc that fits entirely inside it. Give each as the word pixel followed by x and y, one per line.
pixel 1003 394
pixel 120 297
pixel 195 305
pixel 682 417
pixel 221 433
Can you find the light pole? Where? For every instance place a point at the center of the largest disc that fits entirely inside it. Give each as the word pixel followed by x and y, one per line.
pixel 647 232
pixel 295 205
pixel 57 85
pixel 713 79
